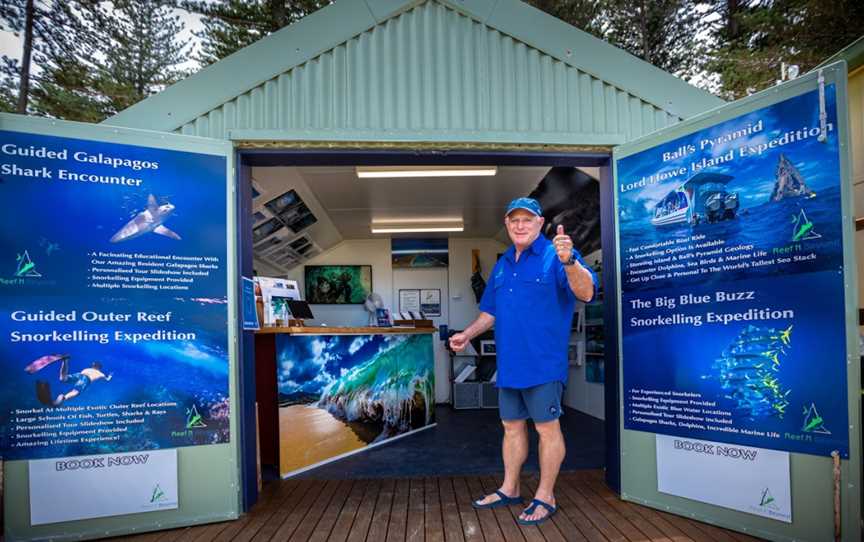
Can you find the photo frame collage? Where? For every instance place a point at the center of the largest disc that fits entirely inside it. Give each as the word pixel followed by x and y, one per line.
pixel 270 236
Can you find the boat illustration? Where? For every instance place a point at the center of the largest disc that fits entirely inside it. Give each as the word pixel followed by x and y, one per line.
pixel 702 198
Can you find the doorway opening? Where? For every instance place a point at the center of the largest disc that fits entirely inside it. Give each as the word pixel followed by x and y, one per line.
pixel 302 213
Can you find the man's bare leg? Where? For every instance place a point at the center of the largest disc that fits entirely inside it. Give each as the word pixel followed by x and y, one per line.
pixel 514 449
pixel 552 451
pixel 64 369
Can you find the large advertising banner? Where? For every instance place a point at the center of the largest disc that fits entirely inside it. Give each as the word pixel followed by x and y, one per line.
pixel 733 320
pixel 341 393
pixel 113 298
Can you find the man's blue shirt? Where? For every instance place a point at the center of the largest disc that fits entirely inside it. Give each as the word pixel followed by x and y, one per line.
pixel 533 308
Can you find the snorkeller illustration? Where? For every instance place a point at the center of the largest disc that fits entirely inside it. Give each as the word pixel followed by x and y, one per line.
pixel 79 381
pixel 149 220
pixel 748 371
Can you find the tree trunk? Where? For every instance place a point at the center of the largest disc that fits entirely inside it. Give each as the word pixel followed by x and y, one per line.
pixel 24 89
pixel 733 25
pixel 643 24
pixel 277 10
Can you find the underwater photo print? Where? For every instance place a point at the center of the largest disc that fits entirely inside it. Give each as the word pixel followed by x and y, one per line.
pixel 340 393
pixel 733 305
pixel 113 298
pixel 337 284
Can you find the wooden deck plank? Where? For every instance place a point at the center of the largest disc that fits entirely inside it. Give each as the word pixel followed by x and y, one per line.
pixel 432 511
pixel 363 519
pixel 262 514
pixel 598 520
pixel 267 519
pixel 439 510
pixel 629 528
pixel 416 527
pixel 314 512
pixel 330 514
pixel 381 516
pixel 510 514
pixel 399 511
pixel 470 521
pixel 488 523
pixel 343 523
pixel 652 522
pixel 577 516
pixel 288 519
pixel 449 511
pixel 566 529
pixel 505 519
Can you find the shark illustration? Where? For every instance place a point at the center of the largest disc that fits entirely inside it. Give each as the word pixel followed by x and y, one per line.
pixel 149 220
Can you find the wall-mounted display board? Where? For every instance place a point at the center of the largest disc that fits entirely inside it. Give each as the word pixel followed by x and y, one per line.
pixel 733 242
pixel 114 312
pixel 339 394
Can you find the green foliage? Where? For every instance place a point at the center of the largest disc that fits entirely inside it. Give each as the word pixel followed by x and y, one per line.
pixel 8 85
pixel 94 58
pixel 230 25
pixel 139 53
pixel 754 38
pixel 661 32
pixel 583 14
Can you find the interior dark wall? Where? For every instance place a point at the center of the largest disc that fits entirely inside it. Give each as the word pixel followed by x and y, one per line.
pixel 571 198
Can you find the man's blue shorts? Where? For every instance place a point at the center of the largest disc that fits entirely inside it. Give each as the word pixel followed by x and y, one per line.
pixel 540 403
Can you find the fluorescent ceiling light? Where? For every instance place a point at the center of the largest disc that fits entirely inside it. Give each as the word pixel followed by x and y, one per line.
pixel 417 228
pixel 409 172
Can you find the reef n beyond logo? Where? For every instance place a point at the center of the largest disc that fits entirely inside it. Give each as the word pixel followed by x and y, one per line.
pixel 813 422
pixel 157 494
pixel 802 228
pixel 26 266
pixel 767 500
pixel 193 419
pixel 25 272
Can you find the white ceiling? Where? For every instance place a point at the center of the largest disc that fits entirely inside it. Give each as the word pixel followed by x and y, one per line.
pixel 345 206
pixel 479 202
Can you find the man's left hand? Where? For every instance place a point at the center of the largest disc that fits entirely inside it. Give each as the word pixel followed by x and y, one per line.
pixel 563 245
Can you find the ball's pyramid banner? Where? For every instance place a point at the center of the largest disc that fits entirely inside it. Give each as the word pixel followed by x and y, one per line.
pixel 733 320
pixel 113 297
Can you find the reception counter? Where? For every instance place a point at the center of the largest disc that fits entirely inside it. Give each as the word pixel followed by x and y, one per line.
pixel 326 392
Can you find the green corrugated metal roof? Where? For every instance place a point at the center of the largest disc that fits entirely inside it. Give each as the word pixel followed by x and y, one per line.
pixel 853 54
pixel 431 70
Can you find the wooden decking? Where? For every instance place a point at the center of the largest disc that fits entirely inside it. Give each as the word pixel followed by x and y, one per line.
pixel 439 510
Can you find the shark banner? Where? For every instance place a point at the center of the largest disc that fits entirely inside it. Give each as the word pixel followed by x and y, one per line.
pixel 733 301
pixel 113 297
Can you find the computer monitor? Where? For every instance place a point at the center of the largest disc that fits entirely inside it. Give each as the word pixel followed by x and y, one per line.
pixel 300 310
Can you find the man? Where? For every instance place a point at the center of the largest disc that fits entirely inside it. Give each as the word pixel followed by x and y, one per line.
pixel 80 382
pixel 530 299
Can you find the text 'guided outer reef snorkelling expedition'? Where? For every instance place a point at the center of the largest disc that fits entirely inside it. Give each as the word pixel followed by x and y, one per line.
pixel 113 298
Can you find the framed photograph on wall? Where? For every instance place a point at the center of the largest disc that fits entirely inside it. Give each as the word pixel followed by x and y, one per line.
pixel 430 302
pixel 337 284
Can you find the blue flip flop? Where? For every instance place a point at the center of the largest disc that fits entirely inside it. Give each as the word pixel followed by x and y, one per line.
pixel 530 510
pixel 503 500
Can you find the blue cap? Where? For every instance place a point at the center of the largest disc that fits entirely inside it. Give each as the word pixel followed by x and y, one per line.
pixel 529 204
